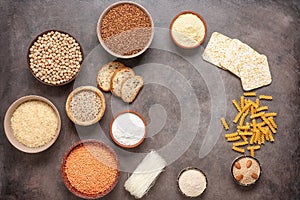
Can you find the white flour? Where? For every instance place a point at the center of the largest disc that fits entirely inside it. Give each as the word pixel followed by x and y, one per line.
pixel 192 183
pixel 128 129
pixel 188 30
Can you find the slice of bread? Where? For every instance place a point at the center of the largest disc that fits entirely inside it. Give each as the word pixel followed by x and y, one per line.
pixel 117 79
pixel 105 73
pixel 131 87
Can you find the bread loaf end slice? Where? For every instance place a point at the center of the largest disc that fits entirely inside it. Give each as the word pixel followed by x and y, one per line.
pixel 105 73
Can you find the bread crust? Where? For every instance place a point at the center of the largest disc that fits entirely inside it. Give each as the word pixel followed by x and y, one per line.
pixel 117 66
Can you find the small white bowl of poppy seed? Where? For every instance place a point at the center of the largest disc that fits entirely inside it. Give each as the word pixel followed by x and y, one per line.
pixel 125 29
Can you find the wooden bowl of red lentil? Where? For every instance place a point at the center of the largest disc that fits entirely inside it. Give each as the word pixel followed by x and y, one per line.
pixel 90 169
pixel 32 124
pixel 123 36
pixel 54 57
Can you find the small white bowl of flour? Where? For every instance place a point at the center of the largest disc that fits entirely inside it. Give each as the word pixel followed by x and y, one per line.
pixel 128 129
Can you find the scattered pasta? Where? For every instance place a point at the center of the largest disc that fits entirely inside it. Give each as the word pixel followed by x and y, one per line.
pixel 231 139
pixel 238 149
pixel 249 94
pixel 236 105
pixel 231 135
pixel 252 149
pixel 237 144
pixel 262 108
pixel 255 126
pixel 225 124
pixel 265 97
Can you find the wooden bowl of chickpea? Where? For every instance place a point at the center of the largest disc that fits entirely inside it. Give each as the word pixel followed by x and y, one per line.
pixel 55 57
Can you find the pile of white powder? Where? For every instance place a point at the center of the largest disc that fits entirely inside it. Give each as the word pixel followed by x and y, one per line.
pixel 128 129
pixel 188 30
pixel 192 182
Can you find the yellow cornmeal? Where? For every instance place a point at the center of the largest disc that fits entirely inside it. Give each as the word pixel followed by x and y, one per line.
pixel 188 30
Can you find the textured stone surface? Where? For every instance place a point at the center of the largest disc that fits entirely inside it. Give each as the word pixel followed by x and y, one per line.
pixel 270 27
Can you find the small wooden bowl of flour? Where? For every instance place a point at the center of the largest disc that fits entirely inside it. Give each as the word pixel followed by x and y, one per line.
pixel 191 182
pixel 188 29
pixel 128 129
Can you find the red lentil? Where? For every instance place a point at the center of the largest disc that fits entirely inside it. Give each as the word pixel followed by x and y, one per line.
pixel 91 169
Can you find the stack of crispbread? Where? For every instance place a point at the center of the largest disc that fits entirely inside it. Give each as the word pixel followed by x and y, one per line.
pixel 240 59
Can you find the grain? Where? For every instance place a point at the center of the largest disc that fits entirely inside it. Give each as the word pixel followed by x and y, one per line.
pixel 55 58
pixel 34 123
pixel 85 106
pixel 126 29
pixel 91 169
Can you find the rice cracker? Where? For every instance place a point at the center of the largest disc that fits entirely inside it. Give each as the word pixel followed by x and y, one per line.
pixel 237 54
pixel 216 49
pixel 255 74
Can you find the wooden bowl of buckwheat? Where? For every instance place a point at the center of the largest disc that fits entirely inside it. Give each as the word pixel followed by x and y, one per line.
pixel 54 58
pixel 125 29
